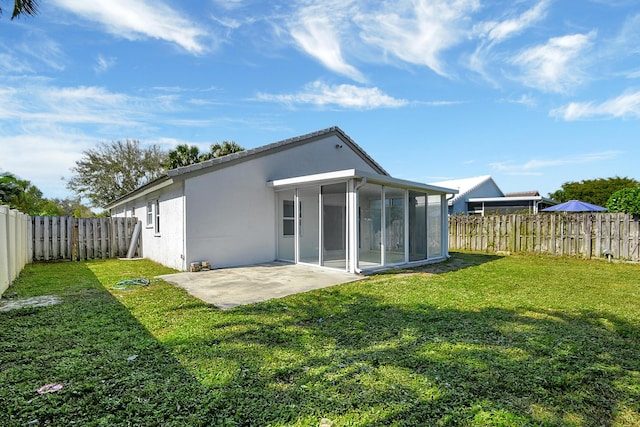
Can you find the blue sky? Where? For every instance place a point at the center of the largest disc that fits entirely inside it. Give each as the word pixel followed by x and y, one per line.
pixel 533 93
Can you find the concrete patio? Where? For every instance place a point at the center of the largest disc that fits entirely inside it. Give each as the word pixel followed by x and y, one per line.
pixel 230 287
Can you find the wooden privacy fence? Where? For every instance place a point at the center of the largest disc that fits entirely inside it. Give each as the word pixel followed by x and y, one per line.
pixel 79 239
pixel 587 235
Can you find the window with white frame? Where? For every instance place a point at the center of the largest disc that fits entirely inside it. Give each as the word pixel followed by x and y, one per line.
pixel 149 214
pixel 157 217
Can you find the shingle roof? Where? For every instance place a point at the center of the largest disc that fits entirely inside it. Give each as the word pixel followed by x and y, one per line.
pixel 523 194
pixel 277 146
pixel 259 151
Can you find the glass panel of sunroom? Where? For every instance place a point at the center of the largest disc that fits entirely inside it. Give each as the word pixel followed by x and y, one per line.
pixel 417 226
pixel 394 225
pixel 309 237
pixel 334 225
pixel 286 225
pixel 370 226
pixel 434 226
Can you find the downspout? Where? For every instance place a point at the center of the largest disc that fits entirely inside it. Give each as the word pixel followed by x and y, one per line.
pixel 359 185
pixel 133 245
pixel 184 226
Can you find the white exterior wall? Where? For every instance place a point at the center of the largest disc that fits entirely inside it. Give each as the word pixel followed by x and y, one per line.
pixel 486 189
pixel 167 247
pixel 231 211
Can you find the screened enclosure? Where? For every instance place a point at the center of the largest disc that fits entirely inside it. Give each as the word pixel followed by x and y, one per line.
pixel 359 223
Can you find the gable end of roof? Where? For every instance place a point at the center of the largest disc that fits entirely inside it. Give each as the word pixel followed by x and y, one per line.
pixel 280 146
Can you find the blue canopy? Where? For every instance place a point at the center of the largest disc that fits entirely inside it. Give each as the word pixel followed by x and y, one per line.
pixel 574 206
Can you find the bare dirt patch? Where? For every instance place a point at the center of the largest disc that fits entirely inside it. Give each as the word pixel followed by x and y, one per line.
pixel 39 301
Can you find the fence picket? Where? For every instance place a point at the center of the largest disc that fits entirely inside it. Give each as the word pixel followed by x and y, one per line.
pixel 67 238
pixel 585 235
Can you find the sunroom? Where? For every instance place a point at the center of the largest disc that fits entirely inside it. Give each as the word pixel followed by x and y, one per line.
pixel 359 221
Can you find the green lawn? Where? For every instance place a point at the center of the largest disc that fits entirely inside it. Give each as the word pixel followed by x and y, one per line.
pixel 477 341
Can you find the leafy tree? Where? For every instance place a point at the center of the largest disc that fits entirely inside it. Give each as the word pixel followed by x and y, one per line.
pixel 596 191
pixel 111 170
pixel 626 200
pixel 185 155
pixel 73 207
pixel 50 208
pixel 23 7
pixel 27 198
pixel 10 188
pixel 20 194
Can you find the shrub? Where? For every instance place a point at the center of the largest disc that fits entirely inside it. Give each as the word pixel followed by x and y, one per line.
pixel 626 200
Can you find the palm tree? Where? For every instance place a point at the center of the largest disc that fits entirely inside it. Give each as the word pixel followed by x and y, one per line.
pixel 24 7
pixel 227 147
pixel 183 155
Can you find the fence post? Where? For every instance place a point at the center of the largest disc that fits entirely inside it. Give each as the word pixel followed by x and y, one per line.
pixel 75 256
pixel 4 248
pixel 588 243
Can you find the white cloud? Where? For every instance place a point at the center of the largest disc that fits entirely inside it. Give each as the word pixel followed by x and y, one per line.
pixel 316 30
pixel 628 40
pixel 536 166
pixel 44 129
pixel 55 105
pixel 523 100
pixel 57 152
pixel 229 4
pixel 139 19
pixel 492 33
pixel 624 106
pixel 10 64
pixel 412 31
pixel 44 50
pixel 103 64
pixel 418 31
pixel 556 65
pixel 344 96
pixel 498 31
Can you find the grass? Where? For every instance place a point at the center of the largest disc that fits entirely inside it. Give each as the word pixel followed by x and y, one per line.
pixel 476 341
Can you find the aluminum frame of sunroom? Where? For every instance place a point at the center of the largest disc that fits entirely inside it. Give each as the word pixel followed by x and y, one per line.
pixel 359 221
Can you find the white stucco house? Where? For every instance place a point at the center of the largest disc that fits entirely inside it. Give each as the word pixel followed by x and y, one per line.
pixel 315 199
pixel 467 188
pixel 481 195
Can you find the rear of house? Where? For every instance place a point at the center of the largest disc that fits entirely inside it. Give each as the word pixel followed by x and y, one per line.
pixel 315 199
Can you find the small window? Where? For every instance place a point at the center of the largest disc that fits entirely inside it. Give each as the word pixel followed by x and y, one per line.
pixel 288 217
pixel 157 212
pixel 149 214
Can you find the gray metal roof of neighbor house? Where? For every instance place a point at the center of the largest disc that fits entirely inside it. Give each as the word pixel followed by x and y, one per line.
pixel 249 154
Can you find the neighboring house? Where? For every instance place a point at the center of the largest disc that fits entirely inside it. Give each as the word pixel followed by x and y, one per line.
pixel 481 195
pixel 316 199
pixel 479 186
pixel 523 202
